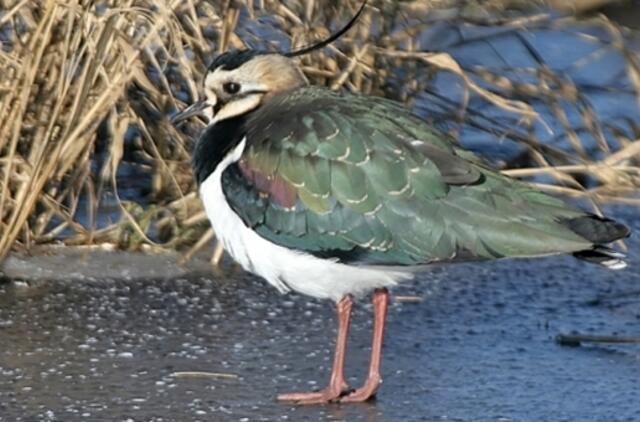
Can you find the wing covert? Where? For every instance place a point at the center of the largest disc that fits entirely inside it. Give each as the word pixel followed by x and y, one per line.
pixel 360 179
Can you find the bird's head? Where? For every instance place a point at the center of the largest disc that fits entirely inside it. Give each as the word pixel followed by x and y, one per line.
pixel 238 81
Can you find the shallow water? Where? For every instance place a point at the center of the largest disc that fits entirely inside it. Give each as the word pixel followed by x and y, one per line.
pixel 479 346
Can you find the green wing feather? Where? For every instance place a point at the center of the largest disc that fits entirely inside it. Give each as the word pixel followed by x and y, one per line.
pixel 361 179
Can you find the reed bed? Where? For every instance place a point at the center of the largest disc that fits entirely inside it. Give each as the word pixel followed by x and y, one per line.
pixel 86 88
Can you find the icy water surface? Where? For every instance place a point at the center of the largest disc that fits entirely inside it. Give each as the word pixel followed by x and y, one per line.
pixel 480 346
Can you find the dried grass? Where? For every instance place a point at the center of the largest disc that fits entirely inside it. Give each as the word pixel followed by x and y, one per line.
pixel 78 76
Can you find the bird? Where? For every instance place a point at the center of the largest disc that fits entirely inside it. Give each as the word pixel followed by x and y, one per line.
pixel 337 195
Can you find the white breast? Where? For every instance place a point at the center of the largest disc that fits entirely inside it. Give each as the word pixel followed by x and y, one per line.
pixel 284 268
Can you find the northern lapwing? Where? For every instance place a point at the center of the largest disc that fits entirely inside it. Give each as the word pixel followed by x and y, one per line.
pixel 336 195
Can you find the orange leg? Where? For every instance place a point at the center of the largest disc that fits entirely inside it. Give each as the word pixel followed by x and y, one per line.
pixel 337 384
pixel 370 386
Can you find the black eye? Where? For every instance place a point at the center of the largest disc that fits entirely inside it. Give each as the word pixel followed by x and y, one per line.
pixel 231 87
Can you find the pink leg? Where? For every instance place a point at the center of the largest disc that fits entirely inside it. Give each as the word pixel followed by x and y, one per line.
pixel 368 390
pixel 337 384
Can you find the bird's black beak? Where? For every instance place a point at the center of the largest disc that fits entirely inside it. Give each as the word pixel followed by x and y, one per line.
pixel 195 109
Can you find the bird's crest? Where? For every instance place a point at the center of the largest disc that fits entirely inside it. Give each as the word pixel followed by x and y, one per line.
pixel 235 58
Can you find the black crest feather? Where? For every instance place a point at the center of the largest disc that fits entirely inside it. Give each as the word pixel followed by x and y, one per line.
pixel 233 59
pixel 332 38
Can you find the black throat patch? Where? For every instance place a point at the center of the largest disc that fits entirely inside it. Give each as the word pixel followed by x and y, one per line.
pixel 214 144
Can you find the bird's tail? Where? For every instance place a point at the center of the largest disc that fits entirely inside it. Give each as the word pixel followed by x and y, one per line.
pixel 599 231
pixel 603 255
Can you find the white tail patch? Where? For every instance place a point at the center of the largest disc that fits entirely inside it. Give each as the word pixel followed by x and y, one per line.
pixel 614 264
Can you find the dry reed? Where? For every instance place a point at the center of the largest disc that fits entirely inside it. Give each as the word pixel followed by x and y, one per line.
pixel 86 86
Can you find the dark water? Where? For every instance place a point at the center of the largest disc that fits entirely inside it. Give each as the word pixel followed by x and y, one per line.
pixel 480 346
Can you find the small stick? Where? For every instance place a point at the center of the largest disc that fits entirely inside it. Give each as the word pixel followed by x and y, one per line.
pixel 202 374
pixel 217 254
pixel 408 299
pixel 575 340
pixel 204 239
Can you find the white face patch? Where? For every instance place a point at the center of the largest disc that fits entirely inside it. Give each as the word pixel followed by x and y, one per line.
pixel 236 107
pixel 263 74
pixel 246 99
pixel 215 81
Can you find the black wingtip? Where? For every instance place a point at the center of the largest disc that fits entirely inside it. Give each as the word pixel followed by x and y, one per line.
pixel 597 230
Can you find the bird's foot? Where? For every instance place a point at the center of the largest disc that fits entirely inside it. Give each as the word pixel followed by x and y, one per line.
pixel 364 393
pixel 327 395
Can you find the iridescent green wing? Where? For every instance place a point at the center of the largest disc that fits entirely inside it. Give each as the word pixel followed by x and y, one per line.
pixel 362 180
